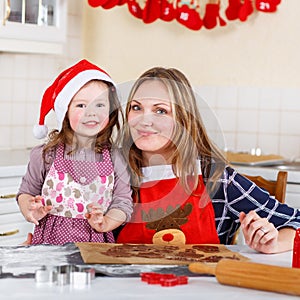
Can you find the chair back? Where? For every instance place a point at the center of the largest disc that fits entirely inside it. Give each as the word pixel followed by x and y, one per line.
pixel 275 188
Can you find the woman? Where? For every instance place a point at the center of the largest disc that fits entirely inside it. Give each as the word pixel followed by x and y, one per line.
pixel 184 189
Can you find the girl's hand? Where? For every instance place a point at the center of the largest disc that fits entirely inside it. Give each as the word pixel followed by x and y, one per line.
pixel 33 208
pixel 95 217
pixel 29 240
pixel 37 209
pixel 259 233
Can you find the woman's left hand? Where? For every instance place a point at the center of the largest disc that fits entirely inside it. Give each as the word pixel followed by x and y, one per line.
pixel 259 233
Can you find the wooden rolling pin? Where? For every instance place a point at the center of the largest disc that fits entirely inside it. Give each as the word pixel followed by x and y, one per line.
pixel 253 275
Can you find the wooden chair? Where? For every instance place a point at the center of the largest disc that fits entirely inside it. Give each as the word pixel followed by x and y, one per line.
pixel 275 188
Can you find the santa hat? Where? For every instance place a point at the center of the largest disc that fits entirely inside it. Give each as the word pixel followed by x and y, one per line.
pixel 59 95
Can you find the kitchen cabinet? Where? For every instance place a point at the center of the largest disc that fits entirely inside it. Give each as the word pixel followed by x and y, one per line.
pixel 13 226
pixel 33 26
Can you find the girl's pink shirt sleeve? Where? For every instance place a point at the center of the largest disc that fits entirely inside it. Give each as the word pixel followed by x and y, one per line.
pixel 122 193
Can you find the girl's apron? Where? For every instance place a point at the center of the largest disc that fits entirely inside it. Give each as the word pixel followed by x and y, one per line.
pixel 69 187
pixel 165 209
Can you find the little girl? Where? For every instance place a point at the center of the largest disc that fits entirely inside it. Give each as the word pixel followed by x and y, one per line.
pixel 76 188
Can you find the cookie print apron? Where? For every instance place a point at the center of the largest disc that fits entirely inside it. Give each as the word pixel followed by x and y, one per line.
pixel 69 187
pixel 166 214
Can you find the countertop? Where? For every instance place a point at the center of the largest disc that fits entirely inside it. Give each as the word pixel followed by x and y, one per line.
pixel 200 287
pixel 18 157
pixel 13 162
pixel 269 172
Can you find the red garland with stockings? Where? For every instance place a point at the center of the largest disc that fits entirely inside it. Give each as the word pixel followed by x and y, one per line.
pixel 167 10
pixel 188 12
pixel 246 10
pixel 188 15
pixel 212 14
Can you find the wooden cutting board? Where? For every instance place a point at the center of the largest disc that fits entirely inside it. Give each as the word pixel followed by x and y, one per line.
pixel 108 253
pixel 247 158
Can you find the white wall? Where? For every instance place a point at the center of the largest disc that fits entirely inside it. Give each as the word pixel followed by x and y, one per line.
pixel 24 77
pixel 263 51
pixel 247 72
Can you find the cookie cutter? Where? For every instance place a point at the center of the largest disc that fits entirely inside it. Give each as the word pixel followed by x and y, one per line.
pixel 163 279
pixel 77 276
pixel 64 274
pixel 46 275
pixel 82 276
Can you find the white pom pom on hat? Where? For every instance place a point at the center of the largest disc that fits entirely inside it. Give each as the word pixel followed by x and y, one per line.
pixel 59 95
pixel 40 131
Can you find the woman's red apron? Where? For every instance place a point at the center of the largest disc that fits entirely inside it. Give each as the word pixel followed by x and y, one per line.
pixel 163 204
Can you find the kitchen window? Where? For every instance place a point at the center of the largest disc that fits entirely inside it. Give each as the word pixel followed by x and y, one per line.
pixel 33 26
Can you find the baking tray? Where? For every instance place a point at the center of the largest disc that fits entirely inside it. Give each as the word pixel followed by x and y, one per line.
pixel 259 163
pixel 110 253
pixel 247 159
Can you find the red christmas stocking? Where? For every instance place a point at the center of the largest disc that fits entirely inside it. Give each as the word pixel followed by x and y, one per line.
pixel 151 11
pixel 246 10
pixel 167 10
pixel 267 5
pixel 212 14
pixel 122 2
pixel 96 3
pixel 189 16
pixel 232 11
pixel 110 4
pixel 135 9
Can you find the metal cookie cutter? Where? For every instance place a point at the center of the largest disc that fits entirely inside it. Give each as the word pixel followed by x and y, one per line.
pixel 64 274
pixel 82 276
pixel 46 275
pixel 77 276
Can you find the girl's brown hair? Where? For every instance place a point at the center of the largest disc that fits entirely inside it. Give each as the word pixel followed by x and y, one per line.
pixel 104 137
pixel 190 140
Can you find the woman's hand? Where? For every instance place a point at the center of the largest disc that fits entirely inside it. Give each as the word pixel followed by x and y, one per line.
pixel 259 233
pixel 33 208
pixel 262 236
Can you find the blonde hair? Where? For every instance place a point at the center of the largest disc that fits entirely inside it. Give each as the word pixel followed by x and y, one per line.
pixel 103 138
pixel 190 140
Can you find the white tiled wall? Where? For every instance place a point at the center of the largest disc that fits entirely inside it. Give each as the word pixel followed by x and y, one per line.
pixel 267 118
pixel 249 117
pixel 23 78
